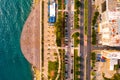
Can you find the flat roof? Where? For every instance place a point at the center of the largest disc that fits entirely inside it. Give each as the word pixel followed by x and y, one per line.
pixel 52 9
pixel 114 55
pixel 112 63
pixel 113 15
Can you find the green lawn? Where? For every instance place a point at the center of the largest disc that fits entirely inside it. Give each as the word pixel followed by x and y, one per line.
pixel 52 67
pixel 76 42
pixel 94 36
pixel 62 57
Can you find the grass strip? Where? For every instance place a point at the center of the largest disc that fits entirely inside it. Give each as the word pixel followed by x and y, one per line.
pixel 86 15
pixel 76 39
pixel 52 69
pixel 76 65
pixel 59 29
pixel 62 57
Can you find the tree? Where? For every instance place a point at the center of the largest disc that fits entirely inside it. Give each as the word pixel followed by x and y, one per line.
pixel 93 55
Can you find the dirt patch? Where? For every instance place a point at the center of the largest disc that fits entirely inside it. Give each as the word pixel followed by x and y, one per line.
pixel 52 74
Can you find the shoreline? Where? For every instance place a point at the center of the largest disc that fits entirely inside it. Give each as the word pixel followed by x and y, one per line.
pixel 36 73
pixel 35 2
pixel 29 40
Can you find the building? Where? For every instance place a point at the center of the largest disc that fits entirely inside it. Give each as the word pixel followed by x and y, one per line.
pixel 112 56
pixel 109 25
pixel 51 12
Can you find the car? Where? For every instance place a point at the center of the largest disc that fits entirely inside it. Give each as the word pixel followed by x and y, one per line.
pixel 72 12
pixel 66 62
pixel 66 55
pixel 66 44
pixel 66 31
pixel 66 67
pixel 66 39
pixel 66 13
pixel 71 27
pixel 71 70
pixel 65 20
pixel 65 27
pixel 66 75
pixel 66 35
pixel 72 56
pixel 72 46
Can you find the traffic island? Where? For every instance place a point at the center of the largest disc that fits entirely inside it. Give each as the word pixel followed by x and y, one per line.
pixel 86 15
pixel 76 13
pixel 62 59
pixel 76 65
pixel 76 39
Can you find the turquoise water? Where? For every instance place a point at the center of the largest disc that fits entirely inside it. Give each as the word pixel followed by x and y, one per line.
pixel 13 65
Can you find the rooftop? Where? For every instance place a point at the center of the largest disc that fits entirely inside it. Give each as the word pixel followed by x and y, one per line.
pixel 113 5
pixel 113 56
pixel 52 9
pixel 110 24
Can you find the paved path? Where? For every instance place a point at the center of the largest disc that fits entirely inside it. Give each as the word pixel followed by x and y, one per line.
pixel 50 46
pixel 40 39
pixel 45 31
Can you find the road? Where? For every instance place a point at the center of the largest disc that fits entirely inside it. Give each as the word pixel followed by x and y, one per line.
pixel 82 54
pixel 88 68
pixel 85 49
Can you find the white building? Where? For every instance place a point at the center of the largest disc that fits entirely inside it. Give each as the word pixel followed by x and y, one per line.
pixel 113 56
pixel 52 10
pixel 109 26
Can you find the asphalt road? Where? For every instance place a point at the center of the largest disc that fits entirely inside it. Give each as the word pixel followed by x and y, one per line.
pixel 88 67
pixel 85 50
pixel 82 54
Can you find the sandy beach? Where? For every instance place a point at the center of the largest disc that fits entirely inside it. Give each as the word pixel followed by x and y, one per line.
pixel 30 37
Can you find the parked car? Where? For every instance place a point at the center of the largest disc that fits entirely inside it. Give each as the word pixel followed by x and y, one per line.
pixel 71 70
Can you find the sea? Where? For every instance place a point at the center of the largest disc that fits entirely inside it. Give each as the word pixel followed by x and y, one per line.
pixel 13 65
